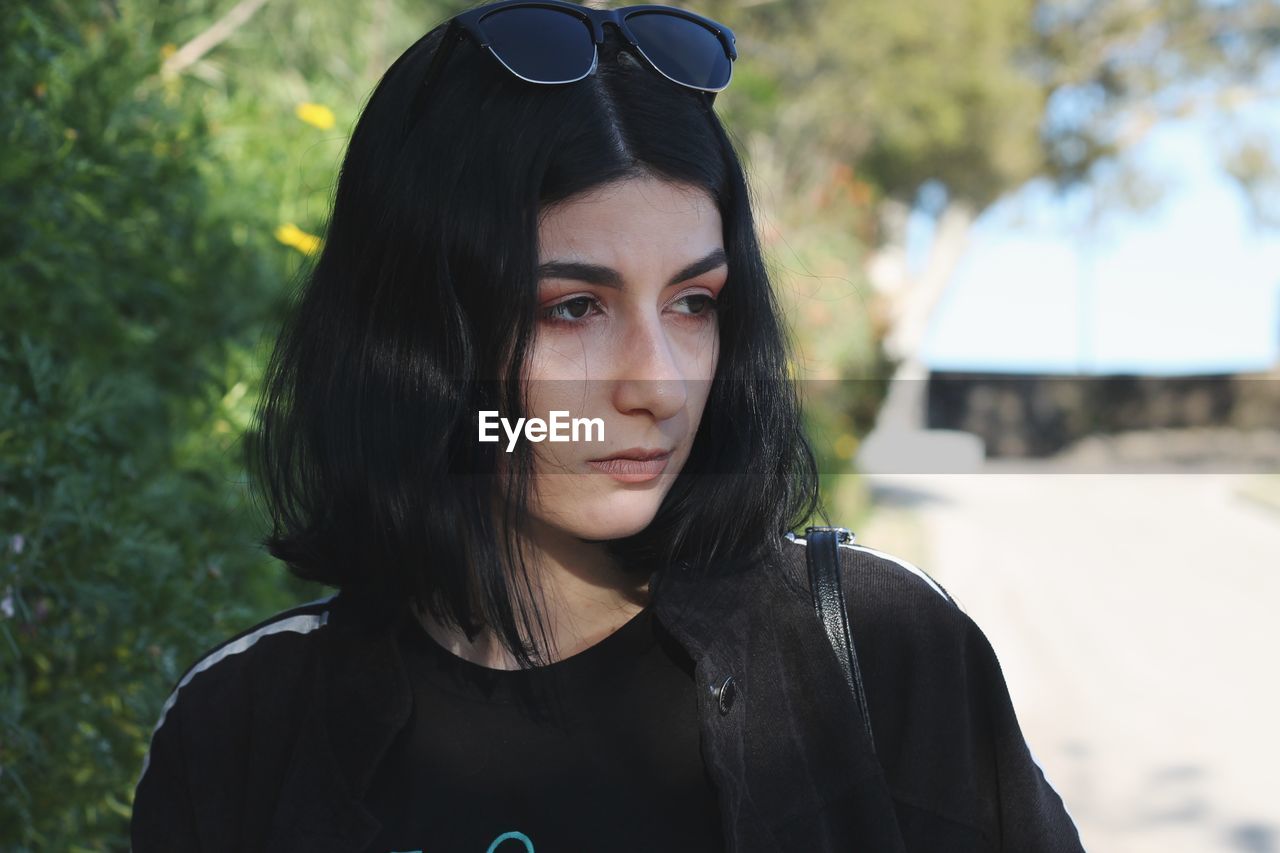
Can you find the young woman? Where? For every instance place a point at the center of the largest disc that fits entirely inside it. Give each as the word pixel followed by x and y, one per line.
pixel 599 644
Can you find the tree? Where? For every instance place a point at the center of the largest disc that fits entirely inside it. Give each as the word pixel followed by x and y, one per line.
pixel 956 104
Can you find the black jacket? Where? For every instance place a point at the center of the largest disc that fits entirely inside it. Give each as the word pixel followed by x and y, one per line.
pixel 269 741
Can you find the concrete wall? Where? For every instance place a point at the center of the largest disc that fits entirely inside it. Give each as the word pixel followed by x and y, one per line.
pixel 1034 416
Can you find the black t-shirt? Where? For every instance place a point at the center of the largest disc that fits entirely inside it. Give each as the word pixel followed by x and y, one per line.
pixel 595 752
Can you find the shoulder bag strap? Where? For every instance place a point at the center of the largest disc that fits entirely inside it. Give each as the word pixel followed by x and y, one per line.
pixel 828 601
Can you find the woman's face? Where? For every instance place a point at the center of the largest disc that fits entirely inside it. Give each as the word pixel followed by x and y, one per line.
pixel 627 333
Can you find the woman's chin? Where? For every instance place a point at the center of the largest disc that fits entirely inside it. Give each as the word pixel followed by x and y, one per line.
pixel 615 517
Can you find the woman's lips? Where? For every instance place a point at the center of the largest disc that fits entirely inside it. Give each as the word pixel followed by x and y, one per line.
pixel 631 470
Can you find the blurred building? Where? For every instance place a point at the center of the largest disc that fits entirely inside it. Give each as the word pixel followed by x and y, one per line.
pixel 1064 319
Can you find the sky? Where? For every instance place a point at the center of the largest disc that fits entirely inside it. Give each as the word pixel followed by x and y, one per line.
pixel 1188 286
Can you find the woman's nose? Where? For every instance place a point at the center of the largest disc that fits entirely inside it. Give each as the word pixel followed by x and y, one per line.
pixel 648 374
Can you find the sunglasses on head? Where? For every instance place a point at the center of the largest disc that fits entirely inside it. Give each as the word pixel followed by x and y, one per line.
pixel 553 41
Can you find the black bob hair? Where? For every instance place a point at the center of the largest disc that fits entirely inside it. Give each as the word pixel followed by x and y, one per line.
pixel 418 311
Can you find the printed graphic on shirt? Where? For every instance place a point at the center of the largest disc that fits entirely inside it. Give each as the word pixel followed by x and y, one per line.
pixel 598 750
pixel 497 842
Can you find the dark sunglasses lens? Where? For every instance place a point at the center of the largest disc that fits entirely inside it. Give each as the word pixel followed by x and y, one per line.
pixel 684 50
pixel 540 44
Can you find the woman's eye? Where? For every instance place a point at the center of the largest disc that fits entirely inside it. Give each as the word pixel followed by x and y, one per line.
pixel 569 311
pixel 699 303
pixel 579 308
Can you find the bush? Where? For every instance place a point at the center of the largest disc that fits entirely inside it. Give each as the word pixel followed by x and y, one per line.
pixel 134 298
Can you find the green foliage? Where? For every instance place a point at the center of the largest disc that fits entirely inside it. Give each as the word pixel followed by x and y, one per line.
pixel 133 288
pixel 849 104
pixel 902 92
pixel 841 372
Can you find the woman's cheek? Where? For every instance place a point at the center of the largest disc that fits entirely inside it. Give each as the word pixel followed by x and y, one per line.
pixel 569 353
pixel 699 353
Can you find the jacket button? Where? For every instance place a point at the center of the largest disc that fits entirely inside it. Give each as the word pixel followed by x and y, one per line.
pixel 724 693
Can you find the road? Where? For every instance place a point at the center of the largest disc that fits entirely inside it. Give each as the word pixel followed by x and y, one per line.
pixel 1137 620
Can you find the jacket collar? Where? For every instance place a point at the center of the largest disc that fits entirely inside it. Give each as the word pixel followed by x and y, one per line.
pixel 790 761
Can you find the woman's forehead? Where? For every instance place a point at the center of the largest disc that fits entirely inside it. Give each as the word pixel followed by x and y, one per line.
pixel 631 221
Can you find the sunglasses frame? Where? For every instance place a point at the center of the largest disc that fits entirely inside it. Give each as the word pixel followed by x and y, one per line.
pixel 469 23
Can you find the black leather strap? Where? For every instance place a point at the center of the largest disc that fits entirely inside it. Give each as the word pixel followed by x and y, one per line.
pixel 828 601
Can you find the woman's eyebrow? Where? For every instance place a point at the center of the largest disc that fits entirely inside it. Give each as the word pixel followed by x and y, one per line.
pixel 609 277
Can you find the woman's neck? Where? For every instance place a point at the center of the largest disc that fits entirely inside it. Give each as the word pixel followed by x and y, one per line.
pixel 586 597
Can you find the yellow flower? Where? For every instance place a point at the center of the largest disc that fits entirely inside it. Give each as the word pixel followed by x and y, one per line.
pixel 845 445
pixel 167 50
pixel 316 115
pixel 292 235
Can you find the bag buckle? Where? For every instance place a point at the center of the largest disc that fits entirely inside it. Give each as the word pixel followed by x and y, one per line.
pixel 843 534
